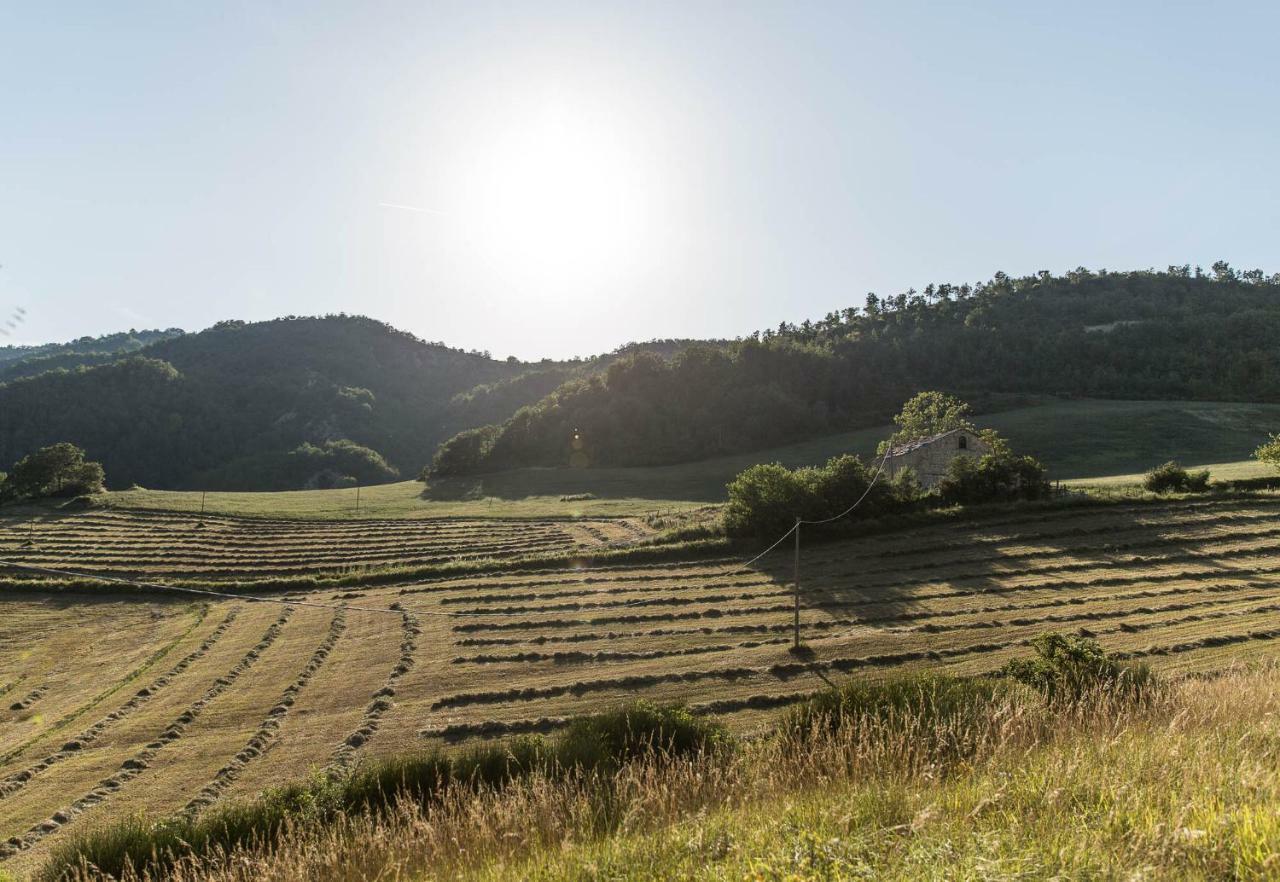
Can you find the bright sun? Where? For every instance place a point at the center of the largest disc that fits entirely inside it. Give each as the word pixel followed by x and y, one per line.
pixel 560 196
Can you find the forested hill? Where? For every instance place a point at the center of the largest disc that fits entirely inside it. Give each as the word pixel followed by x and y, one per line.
pixel 1176 334
pixel 253 406
pixel 27 361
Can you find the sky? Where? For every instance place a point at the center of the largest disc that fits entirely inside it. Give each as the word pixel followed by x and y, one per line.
pixel 555 179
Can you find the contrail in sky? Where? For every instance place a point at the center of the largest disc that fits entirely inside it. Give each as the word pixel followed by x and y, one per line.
pixel 409 208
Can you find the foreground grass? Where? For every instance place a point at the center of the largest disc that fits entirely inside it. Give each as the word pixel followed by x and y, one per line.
pixel 1185 785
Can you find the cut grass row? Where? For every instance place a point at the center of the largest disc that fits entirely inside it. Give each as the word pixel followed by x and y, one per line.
pixel 14 782
pixel 134 765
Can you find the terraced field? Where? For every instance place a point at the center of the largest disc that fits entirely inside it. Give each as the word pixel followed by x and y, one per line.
pixel 114 706
pixel 142 543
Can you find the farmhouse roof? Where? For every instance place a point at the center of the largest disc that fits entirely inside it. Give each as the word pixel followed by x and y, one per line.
pixel 921 442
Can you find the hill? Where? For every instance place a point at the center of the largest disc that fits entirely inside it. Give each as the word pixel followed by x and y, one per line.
pixel 1176 334
pixel 267 405
pixel 17 362
pixel 278 405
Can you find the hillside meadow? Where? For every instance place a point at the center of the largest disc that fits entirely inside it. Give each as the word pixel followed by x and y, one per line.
pixel 114 705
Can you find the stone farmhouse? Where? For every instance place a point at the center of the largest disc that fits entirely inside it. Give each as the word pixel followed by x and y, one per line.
pixel 929 457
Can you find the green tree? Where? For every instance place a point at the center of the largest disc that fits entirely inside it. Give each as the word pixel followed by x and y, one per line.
pixel 927 414
pixel 1269 453
pixel 57 470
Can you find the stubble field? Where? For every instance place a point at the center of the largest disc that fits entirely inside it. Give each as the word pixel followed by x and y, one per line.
pixel 111 705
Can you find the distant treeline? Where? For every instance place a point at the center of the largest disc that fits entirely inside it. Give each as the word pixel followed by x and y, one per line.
pixel 1181 333
pixel 284 404
pixel 269 405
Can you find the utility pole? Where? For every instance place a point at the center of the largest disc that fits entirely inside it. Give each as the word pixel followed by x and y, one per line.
pixel 357 498
pixel 203 493
pixel 797 582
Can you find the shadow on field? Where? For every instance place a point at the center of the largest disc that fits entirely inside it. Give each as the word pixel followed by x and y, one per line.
pixel 930 582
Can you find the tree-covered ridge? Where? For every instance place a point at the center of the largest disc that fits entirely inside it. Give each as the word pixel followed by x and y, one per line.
pixel 17 362
pixel 225 407
pixel 1173 334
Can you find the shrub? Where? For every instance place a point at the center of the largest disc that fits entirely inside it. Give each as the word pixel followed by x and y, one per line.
pixel 996 477
pixel 1068 669
pixel 923 700
pixel 605 741
pixel 1269 452
pixel 766 499
pixel 1173 478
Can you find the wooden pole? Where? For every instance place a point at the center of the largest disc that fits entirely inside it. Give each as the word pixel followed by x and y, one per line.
pixel 357 497
pixel 202 495
pixel 797 583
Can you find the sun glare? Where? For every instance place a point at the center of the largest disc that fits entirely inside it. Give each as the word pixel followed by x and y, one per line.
pixel 560 196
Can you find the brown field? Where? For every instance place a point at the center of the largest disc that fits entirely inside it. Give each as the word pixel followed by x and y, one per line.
pixel 112 705
pixel 142 543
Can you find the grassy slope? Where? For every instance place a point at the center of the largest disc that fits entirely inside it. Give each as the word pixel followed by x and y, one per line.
pixel 1183 791
pixel 1075 439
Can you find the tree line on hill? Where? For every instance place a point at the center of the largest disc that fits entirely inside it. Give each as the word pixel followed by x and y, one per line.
pixel 269 405
pixel 1181 333
pixel 284 404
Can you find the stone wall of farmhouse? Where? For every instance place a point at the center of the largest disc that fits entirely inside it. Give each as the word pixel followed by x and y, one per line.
pixel 930 461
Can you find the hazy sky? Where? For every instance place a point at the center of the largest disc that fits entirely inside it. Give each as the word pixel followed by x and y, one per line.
pixel 546 179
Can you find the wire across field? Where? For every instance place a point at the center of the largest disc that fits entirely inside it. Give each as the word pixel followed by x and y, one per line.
pixel 114 706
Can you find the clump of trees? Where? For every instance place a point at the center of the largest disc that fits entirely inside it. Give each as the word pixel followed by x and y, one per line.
pixel 766 499
pixel 1171 477
pixel 999 476
pixel 58 470
pixel 308 466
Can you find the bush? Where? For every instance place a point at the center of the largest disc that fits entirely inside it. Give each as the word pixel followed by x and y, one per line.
pixel 996 477
pixel 1269 452
pixel 1067 669
pixel 1173 478
pixel 924 699
pixel 766 499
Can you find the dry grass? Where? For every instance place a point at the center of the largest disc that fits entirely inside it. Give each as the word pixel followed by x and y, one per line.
pixel 1185 785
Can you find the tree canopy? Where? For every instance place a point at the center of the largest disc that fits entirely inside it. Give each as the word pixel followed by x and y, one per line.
pixel 1174 334
pixel 57 470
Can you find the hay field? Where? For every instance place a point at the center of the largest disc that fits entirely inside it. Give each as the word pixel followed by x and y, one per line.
pixel 176 544
pixel 112 706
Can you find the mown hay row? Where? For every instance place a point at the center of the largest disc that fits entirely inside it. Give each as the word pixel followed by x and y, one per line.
pixel 345 753
pixel 140 761
pixel 269 729
pixel 11 784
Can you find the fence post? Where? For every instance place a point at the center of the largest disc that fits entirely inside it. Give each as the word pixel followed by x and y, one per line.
pixel 797 584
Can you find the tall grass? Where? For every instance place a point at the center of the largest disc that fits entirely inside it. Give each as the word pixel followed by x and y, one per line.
pixel 927 777
pixel 590 749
